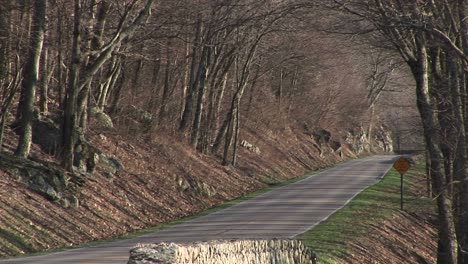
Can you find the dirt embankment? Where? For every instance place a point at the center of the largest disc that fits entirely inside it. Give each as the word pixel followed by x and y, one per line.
pixel 405 238
pixel 164 179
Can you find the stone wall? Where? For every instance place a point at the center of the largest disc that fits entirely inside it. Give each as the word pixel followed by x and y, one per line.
pixel 226 252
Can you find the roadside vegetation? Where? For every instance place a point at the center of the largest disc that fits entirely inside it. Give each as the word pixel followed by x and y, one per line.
pixel 375 213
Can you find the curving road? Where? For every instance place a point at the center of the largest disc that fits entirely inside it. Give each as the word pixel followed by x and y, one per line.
pixel 282 213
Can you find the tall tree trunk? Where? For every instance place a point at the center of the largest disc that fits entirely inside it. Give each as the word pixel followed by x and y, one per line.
pixel 61 72
pixel 463 219
pixel 70 114
pixel 29 84
pixel 460 160
pixel 197 120
pixel 216 97
pixel 185 83
pixel 233 127
pixel 448 247
pixel 193 80
pixel 5 47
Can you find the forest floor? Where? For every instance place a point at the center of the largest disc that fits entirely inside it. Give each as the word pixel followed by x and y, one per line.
pixel 161 183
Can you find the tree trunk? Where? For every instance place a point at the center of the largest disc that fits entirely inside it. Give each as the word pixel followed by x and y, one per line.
pixel 61 72
pixel 5 46
pixel 460 161
pixel 155 82
pixel 135 85
pixel 70 115
pixel 252 90
pixel 167 84
pixel 191 90
pixel 292 91
pixel 116 94
pixel 236 124
pixel 371 126
pixel 216 97
pixel 448 247
pixel 6 104
pixel 5 14
pixel 222 133
pixel 43 108
pixel 185 83
pixel 197 120
pixel 429 190
pixel 228 138
pixel 29 84
pixel 463 218
pixel 107 85
pixel 233 127
pixel 280 92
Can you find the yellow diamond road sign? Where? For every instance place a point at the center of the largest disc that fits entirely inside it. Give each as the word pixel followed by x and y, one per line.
pixel 402 165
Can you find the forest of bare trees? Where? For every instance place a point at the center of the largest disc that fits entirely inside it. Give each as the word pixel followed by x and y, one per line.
pixel 193 68
pixel 201 69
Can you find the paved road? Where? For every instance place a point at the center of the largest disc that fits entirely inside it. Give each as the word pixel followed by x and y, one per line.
pixel 282 213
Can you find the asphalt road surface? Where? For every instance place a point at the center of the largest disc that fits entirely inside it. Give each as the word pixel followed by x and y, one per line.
pixel 282 213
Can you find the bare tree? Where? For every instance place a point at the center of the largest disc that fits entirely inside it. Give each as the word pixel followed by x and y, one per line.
pixel 30 79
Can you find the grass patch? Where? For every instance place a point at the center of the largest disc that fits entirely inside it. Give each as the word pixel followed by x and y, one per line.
pixel 374 205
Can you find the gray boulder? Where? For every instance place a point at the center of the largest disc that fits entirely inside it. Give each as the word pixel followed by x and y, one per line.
pixel 102 119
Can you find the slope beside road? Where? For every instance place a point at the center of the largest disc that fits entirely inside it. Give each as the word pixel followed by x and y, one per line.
pixel 282 213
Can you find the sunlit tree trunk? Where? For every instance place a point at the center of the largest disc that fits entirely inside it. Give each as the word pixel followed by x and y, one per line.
pixel 30 75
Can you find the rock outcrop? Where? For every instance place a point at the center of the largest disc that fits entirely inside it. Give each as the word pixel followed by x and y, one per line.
pixel 102 119
pixel 226 252
pixel 250 147
pixel 359 141
pixel 51 182
pixel 351 143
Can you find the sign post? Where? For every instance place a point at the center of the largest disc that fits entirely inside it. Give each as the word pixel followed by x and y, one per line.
pixel 401 165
